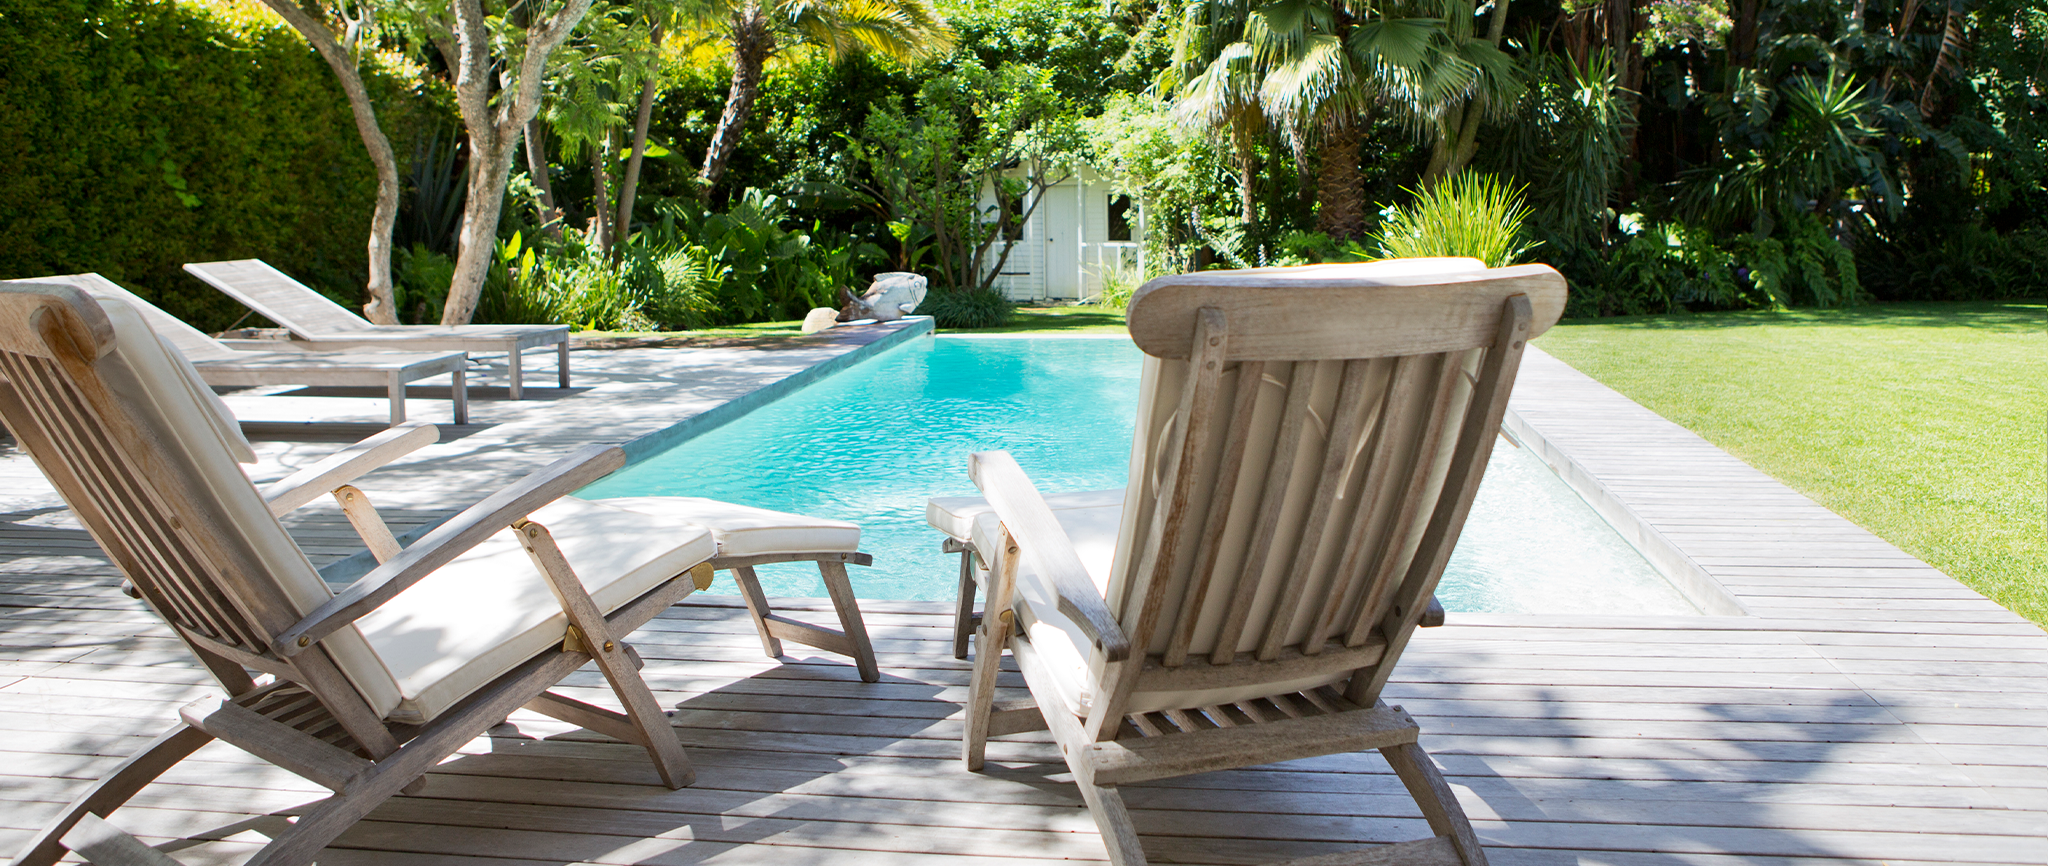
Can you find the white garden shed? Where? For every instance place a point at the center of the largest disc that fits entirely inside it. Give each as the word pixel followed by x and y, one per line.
pixel 1083 229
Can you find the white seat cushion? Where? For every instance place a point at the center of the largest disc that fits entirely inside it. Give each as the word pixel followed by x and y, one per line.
pixel 743 530
pixel 491 609
pixel 955 515
pixel 1060 642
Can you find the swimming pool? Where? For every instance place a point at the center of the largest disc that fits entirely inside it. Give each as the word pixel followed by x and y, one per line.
pixel 873 442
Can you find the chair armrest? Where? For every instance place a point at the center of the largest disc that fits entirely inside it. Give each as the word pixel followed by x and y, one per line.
pixel 1046 546
pixel 448 541
pixel 346 465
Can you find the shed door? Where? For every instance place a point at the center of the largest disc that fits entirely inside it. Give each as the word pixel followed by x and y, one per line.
pixel 1062 244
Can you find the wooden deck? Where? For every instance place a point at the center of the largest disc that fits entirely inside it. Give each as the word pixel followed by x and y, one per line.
pixel 1867 709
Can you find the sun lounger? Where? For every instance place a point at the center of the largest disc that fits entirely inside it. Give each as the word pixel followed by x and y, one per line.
pixel 370 688
pixel 226 367
pixel 1308 443
pixel 312 318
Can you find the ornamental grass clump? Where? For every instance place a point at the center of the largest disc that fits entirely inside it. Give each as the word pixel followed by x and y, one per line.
pixel 1471 215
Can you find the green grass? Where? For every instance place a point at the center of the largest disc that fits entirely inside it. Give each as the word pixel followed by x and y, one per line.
pixel 1923 423
pixel 1085 319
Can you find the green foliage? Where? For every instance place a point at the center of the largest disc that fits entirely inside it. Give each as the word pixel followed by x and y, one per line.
pixel 1661 269
pixel 758 269
pixel 1470 214
pixel 973 157
pixel 1965 263
pixel 1118 285
pixel 420 278
pixel 967 308
pixel 694 268
pixel 1805 267
pixel 1176 174
pixel 141 135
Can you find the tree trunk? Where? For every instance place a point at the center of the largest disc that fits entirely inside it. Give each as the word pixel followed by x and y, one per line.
pixel 600 198
pixel 1339 185
pixel 537 168
pixel 494 127
pixel 1457 144
pixel 383 306
pixel 629 186
pixel 752 42
pixel 1247 174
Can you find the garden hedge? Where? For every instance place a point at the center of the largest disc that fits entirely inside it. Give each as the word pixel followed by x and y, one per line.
pixel 140 135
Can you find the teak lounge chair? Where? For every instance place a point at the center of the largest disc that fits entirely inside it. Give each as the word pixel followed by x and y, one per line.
pixel 364 691
pixel 1307 447
pixel 313 319
pixel 227 367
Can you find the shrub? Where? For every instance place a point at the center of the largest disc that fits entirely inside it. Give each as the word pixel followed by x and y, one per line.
pixel 967 309
pixel 144 135
pixel 1469 215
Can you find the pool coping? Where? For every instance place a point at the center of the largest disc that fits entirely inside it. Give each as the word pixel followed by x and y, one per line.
pixel 1666 556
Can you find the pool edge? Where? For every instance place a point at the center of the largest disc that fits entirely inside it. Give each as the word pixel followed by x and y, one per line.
pixel 1690 578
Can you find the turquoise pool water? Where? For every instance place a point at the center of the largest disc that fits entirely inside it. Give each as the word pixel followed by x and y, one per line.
pixel 872 443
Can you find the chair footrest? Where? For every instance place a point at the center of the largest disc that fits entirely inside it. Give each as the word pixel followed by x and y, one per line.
pixel 784 628
pixel 100 842
pixel 1434 851
pixel 1181 754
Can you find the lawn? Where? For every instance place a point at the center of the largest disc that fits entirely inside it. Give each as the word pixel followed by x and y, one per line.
pixel 1925 423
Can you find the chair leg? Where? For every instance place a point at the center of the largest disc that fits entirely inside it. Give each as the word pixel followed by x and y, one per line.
pixel 757 608
pixel 856 630
pixel 963 613
pixel 396 390
pixel 989 642
pixel 611 655
pixel 104 796
pixel 460 382
pixel 562 363
pixel 1119 834
pixel 1434 795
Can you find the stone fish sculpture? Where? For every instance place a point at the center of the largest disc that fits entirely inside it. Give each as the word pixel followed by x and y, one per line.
pixel 891 296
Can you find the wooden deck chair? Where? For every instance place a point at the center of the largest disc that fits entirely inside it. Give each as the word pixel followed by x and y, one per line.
pixel 1307 447
pixel 224 366
pixel 364 691
pixel 313 319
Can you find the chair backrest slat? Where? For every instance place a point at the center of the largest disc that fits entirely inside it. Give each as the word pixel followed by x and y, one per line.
pixel 1287 500
pixel 132 510
pixel 1325 504
pixel 1375 543
pixel 1275 477
pixel 293 305
pixel 1212 528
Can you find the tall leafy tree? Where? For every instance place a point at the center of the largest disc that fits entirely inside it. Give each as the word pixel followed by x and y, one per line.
pixel 757 30
pixel 499 59
pixel 341 32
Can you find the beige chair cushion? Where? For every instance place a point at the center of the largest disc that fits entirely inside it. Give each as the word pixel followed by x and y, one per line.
pixel 172 403
pixel 491 609
pixel 1059 640
pixel 743 530
pixel 955 515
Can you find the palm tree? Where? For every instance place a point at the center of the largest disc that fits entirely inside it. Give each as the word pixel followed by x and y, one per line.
pixel 1217 80
pixel 758 29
